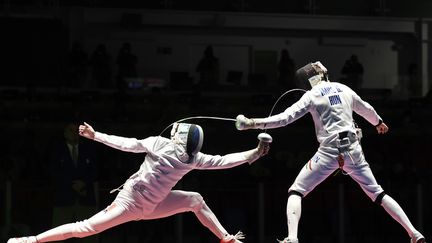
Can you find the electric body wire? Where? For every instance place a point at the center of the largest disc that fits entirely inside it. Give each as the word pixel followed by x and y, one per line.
pixel 234 120
pixel 214 118
pixel 230 119
pixel 198 117
pixel 280 97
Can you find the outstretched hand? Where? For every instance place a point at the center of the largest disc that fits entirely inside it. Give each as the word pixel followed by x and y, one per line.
pixel 244 123
pixel 264 143
pixel 86 131
pixel 263 148
pixel 382 128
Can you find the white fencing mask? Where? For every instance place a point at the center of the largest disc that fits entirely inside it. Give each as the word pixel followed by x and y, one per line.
pixel 188 139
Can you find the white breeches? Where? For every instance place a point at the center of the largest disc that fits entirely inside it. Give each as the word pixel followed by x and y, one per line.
pixel 124 209
pixel 325 162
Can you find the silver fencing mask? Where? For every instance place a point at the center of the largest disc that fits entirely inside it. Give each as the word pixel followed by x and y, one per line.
pixel 188 140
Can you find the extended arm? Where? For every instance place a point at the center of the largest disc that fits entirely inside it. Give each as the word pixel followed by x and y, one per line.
pixel 121 143
pixel 234 159
pixel 244 123
pixel 291 114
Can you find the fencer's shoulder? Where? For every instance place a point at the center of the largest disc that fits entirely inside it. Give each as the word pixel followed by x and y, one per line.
pixel 155 140
pixel 308 96
pixel 314 91
pixel 150 138
pixel 341 86
pixel 199 159
pixel 160 139
pixel 202 158
pixel 199 156
pixel 326 87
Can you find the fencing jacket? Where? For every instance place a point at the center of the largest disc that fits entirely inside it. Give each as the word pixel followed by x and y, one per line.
pixel 331 105
pixel 162 169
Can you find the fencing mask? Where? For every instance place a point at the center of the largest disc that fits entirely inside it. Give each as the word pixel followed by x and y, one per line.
pixel 188 140
pixel 311 74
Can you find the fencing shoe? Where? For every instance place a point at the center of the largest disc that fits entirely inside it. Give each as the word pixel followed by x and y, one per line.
pixel 31 239
pixel 286 240
pixel 233 238
pixel 417 238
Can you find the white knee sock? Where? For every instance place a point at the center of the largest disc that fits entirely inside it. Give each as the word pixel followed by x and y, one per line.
pixel 397 213
pixel 66 231
pixel 59 233
pixel 209 220
pixel 293 212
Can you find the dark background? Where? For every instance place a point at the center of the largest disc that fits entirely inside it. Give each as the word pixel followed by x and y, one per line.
pixel 37 98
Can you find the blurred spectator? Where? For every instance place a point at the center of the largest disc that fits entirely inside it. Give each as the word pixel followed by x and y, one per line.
pixel 287 70
pixel 234 6
pixel 208 69
pixel 13 163
pixel 74 179
pixel 77 64
pixel 31 149
pixel 12 166
pixel 100 62
pixel 13 183
pixel 126 62
pixel 353 73
pixel 413 78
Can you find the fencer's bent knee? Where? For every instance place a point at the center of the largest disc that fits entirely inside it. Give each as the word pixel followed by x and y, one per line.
pixel 293 192
pixel 379 198
pixel 196 201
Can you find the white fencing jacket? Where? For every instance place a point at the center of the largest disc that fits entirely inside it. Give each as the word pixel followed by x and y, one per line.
pixel 331 105
pixel 161 169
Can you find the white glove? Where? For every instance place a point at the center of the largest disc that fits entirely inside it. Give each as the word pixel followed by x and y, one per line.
pixel 244 123
pixel 262 149
pixel 264 143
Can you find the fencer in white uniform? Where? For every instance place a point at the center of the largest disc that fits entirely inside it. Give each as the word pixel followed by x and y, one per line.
pixel 331 105
pixel 148 193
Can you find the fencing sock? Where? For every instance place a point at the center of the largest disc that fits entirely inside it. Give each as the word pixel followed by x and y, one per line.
pixel 66 231
pixel 209 220
pixel 293 214
pixel 397 213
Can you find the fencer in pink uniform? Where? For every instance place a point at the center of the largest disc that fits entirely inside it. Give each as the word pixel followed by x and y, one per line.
pixel 148 193
pixel 331 105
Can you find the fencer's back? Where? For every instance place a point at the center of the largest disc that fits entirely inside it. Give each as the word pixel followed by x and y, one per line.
pixel 332 104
